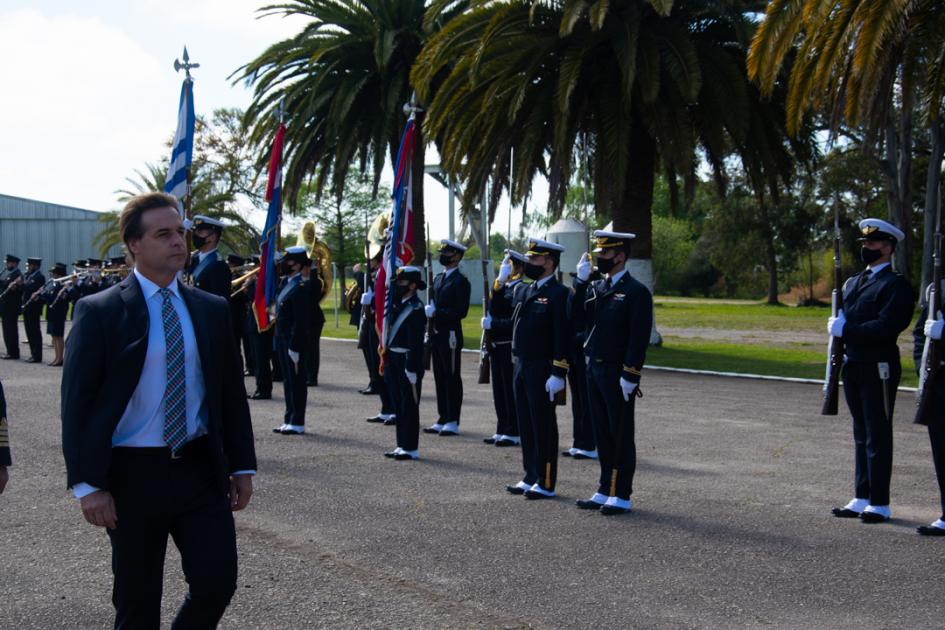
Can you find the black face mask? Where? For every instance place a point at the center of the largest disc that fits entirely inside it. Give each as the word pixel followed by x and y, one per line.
pixel 199 241
pixel 604 265
pixel 869 256
pixel 446 259
pixel 400 290
pixel 533 272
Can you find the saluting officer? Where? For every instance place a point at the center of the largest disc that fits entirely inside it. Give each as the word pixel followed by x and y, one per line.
pixel 404 371
pixel 618 316
pixel 207 270
pixel 540 350
pixel 499 321
pixel 54 297
pixel 933 330
pixel 33 283
pixel 11 288
pixel 293 311
pixel 877 307
pixel 448 306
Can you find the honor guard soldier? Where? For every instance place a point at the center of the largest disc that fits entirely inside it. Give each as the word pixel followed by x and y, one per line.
pixel 57 304
pixel 540 349
pixel 584 444
pixel 293 311
pixel 618 316
pixel 368 339
pixel 207 271
pixel 5 459
pixel 32 308
pixel 11 288
pixel 933 329
pixel 404 370
pixel 239 302
pixel 448 306
pixel 317 321
pixel 877 307
pixel 499 321
pixel 262 342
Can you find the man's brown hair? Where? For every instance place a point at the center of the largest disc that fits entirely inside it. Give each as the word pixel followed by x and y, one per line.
pixel 129 221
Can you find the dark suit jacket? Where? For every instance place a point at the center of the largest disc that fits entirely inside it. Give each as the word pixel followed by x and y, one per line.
pixel 105 354
pixel 540 328
pixel 215 277
pixel 877 310
pixel 451 297
pixel 294 315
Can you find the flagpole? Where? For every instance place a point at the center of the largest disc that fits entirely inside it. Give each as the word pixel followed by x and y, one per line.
pixel 186 66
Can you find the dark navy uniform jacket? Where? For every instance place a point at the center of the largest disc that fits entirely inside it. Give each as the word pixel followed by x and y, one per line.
pixel 409 334
pixel 32 283
pixel 214 276
pixel 293 314
pixel 10 303
pixel 918 332
pixel 618 321
pixel 877 309
pixel 315 292
pixel 540 329
pixel 501 309
pixel 451 297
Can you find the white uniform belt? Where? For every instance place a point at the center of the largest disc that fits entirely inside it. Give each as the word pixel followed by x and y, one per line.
pixel 398 350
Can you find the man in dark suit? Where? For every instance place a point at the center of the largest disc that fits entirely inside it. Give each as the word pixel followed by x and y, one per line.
pixel 11 288
pixel 617 313
pixel 156 430
pixel 207 270
pixel 448 306
pixel 877 305
pixel 293 312
pixel 32 308
pixel 5 459
pixel 540 347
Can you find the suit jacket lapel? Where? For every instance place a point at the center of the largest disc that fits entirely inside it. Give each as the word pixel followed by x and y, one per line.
pixel 137 310
pixel 614 287
pixel 200 322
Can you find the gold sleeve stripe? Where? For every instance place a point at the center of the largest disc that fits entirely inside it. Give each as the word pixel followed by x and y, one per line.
pixel 4 434
pixel 564 365
pixel 631 370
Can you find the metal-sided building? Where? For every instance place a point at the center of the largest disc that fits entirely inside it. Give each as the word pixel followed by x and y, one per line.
pixel 49 231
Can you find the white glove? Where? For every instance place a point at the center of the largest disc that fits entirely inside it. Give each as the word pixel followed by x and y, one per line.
pixel 367 298
pixel 835 324
pixel 505 270
pixel 429 309
pixel 584 267
pixel 627 388
pixel 487 322
pixel 294 356
pixel 933 328
pixel 553 385
pixel 411 376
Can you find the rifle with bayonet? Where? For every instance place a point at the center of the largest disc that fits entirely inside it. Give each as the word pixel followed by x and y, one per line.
pixel 835 344
pixel 931 353
pixel 485 361
pixel 431 330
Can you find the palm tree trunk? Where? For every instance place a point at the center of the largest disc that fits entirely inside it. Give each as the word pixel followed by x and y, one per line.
pixel 933 201
pixel 897 168
pixel 771 256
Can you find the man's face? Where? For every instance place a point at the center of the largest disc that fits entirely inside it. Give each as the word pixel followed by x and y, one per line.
pixel 11 265
pixel 208 234
pixel 162 247
pixel 612 253
pixel 31 267
pixel 882 246
pixel 542 261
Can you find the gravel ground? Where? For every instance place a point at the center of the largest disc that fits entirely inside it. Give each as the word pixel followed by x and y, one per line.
pixel 731 526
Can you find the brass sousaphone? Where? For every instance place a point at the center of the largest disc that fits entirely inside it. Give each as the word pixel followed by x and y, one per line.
pixel 319 253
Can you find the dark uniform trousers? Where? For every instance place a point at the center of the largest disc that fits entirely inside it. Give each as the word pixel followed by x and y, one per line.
pixel 500 358
pixel 32 314
pixel 10 313
pixel 313 363
pixel 447 357
pixel 156 496
pixel 937 436
pixel 583 426
pixel 615 427
pixel 537 422
pixel 405 400
pixel 293 382
pixel 263 343
pixel 378 381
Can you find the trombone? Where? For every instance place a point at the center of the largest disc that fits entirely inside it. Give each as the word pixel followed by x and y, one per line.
pixel 238 285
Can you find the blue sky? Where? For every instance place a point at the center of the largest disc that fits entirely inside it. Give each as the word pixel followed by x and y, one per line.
pixel 90 92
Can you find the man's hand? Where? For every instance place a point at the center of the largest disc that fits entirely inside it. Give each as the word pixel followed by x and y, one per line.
pixel 241 489
pixel 367 298
pixel 933 328
pixel 429 310
pixel 835 324
pixel 487 322
pixel 294 356
pixel 553 385
pixel 411 376
pixel 584 267
pixel 627 388
pixel 505 270
pixel 98 509
pixel 4 478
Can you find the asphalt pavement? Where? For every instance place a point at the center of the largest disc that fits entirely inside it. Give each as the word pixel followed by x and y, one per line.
pixel 731 525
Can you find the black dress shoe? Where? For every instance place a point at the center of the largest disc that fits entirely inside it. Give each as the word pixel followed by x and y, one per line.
pixel 613 510
pixel 927 530
pixel 390 454
pixel 430 430
pixel 873 517
pixel 376 419
pixel 580 456
pixel 536 496
pixel 33 360
pixel 587 504
pixel 311 383
pixel 504 443
pixel 565 453
pixel 10 357
pixel 402 457
pixel 844 513
pixel 367 391
pixel 390 422
pixel 488 440
pixel 447 433
pixel 513 489
pixel 260 396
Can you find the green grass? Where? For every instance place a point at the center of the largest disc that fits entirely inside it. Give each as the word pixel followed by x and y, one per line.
pixel 745 316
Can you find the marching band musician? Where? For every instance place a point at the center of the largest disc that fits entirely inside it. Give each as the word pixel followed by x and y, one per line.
pixel 617 312
pixel 54 297
pixel 404 371
pixel 206 270
pixel 540 348
pixel 32 308
pixel 448 306
pixel 11 287
pixel 293 311
pixel 239 302
pixel 877 306
pixel 499 321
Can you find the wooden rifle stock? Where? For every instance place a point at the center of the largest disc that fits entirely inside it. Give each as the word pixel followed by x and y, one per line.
pixel 835 344
pixel 485 361
pixel 931 353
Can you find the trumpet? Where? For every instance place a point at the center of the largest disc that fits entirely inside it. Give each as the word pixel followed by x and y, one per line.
pixel 70 277
pixel 238 285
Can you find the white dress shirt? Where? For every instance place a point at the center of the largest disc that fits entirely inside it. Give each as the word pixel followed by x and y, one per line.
pixel 142 423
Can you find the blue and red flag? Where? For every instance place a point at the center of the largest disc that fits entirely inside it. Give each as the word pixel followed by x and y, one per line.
pixel 267 280
pixel 398 251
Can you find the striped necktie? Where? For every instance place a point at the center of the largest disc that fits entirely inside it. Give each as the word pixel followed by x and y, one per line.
pixel 175 394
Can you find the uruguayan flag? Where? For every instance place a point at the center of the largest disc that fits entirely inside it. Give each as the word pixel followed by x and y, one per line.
pixel 182 152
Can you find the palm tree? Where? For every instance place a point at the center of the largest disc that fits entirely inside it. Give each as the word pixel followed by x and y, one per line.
pixel 344 80
pixel 515 86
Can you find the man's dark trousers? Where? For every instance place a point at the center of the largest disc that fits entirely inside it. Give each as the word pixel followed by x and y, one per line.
pixel 614 428
pixel 406 401
pixel 537 423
